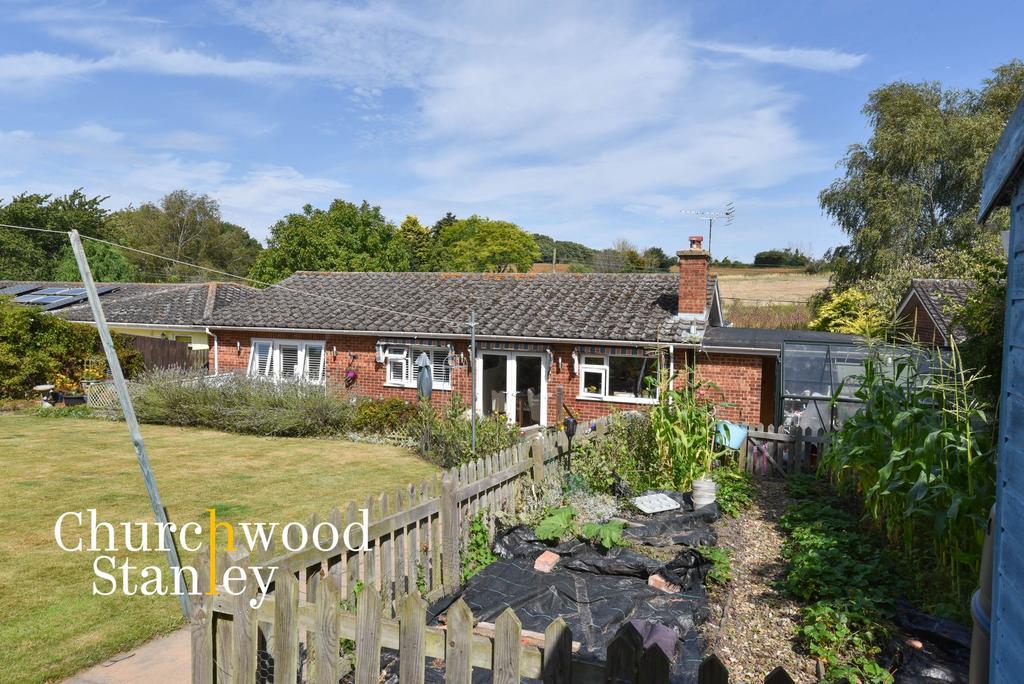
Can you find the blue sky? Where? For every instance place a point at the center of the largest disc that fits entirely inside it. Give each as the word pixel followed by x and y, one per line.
pixel 586 121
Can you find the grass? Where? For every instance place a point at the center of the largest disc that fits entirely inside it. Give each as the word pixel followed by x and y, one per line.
pixel 786 316
pixel 51 625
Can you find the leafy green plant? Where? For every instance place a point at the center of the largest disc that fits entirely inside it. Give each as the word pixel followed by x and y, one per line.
pixel 623 452
pixel 920 454
pixel 449 433
pixel 684 431
pixel 721 563
pixel 735 492
pixel 559 524
pixel 477 554
pixel 606 535
pixel 383 416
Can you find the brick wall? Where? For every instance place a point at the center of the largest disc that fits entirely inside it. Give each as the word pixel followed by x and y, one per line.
pixel 341 352
pixel 738 376
pixel 739 379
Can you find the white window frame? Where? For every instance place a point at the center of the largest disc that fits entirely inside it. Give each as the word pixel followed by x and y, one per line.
pixel 604 368
pixel 274 360
pixel 406 354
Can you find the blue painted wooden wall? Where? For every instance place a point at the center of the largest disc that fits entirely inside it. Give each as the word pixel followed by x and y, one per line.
pixel 1004 186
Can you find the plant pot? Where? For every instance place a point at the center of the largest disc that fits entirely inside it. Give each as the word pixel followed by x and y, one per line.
pixel 703 493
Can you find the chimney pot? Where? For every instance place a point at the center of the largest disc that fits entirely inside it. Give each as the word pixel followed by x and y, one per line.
pixel 696 241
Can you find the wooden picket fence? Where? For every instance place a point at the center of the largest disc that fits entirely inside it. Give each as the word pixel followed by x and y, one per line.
pixel 413 547
pixel 781 451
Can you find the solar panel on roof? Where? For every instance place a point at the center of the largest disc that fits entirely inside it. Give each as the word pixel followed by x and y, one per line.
pixel 26 299
pixel 51 290
pixel 51 299
pixel 19 289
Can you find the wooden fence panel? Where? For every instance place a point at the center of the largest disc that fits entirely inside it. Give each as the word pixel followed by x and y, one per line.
pixel 413 540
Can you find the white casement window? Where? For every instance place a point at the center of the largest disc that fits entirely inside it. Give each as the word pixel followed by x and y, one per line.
pixel 287 360
pixel 618 378
pixel 402 370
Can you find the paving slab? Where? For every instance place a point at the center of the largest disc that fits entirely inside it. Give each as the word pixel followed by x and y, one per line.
pixel 166 660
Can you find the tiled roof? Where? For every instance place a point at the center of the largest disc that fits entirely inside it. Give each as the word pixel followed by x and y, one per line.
pixel 153 303
pixel 578 306
pixel 940 297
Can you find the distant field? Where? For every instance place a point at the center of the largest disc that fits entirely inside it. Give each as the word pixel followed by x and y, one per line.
pixel 768 297
pixel 768 285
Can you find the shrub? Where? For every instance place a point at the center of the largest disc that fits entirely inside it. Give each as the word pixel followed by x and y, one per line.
pixel 243 405
pixel 383 416
pixel 36 347
pixel 626 450
pixel 851 311
pixel 449 435
pixel 734 491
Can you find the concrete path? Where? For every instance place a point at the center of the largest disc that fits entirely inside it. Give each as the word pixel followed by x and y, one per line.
pixel 166 660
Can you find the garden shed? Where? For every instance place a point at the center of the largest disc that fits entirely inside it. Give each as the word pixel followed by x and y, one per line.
pixel 1003 185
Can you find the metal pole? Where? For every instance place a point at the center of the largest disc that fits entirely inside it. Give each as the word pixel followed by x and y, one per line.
pixel 472 361
pixel 129 412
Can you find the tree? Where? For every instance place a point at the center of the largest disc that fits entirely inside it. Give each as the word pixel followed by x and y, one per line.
pixel 344 237
pixel 26 255
pixel 107 264
pixel 187 227
pixel 416 242
pixel 565 251
pixel 914 187
pixel 781 257
pixel 655 259
pixel 482 244
pixel 442 223
pixel 852 312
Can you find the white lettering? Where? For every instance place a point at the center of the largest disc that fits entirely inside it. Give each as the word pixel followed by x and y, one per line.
pixel 57 530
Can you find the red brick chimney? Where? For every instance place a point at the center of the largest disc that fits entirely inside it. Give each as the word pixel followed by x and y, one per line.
pixel 693 277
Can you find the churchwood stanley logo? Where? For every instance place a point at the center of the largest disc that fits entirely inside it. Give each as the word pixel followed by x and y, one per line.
pixel 76 532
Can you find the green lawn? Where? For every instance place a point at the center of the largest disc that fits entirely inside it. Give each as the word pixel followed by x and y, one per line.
pixel 51 625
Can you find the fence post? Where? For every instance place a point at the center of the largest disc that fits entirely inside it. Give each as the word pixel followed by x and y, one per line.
pixel 458 650
pixel 557 666
pixel 368 634
pixel 412 625
pixel 286 627
pixel 624 654
pixel 712 671
pixel 778 676
pixel 537 453
pixel 202 623
pixel 798 451
pixel 451 566
pixel 244 633
pixel 507 632
pixel 327 668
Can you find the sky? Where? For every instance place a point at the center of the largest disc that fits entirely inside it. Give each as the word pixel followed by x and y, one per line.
pixel 587 121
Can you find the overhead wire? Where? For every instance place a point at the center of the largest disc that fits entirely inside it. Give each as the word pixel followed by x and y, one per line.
pixel 278 286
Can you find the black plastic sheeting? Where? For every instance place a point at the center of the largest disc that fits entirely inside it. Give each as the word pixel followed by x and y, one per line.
pixel 945 656
pixel 596 592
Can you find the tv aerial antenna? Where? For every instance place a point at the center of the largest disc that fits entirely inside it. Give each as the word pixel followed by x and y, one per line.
pixel 728 213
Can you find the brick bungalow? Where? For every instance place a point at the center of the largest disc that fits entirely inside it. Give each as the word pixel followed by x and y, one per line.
pixel 545 342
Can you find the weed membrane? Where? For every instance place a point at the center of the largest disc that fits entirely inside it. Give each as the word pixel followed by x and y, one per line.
pixel 945 653
pixel 596 592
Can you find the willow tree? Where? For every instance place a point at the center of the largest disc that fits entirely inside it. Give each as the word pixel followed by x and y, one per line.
pixel 913 188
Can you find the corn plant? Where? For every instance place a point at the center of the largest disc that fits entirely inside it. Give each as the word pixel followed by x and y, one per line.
pixel 684 431
pixel 920 452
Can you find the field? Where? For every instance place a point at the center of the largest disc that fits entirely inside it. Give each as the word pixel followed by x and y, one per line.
pixel 768 297
pixel 50 623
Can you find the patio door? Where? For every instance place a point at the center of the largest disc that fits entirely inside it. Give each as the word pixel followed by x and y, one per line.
pixel 513 385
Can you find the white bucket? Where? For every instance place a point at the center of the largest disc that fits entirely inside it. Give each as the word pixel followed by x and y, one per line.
pixel 703 493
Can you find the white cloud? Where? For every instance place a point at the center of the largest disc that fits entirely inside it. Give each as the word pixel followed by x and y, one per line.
pixel 107 163
pixel 801 58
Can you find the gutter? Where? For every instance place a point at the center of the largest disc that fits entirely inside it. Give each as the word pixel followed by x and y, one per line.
pixel 448 336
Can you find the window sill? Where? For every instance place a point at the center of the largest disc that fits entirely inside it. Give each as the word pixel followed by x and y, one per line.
pixel 435 388
pixel 617 400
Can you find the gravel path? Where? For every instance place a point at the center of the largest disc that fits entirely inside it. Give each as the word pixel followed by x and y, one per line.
pixel 752 626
